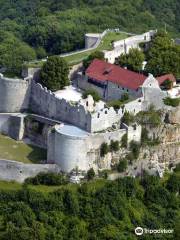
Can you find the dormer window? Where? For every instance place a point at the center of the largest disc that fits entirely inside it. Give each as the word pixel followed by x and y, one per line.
pixel 107 71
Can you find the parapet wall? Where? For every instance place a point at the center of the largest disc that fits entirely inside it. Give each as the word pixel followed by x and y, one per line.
pixel 44 102
pixel 14 94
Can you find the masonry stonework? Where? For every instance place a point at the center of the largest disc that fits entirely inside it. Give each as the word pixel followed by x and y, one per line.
pixel 14 95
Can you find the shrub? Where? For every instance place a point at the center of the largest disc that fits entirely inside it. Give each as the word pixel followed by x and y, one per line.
pixel 93 93
pixel 151 117
pixel 173 183
pixel 116 104
pixel 91 57
pixel 128 118
pixel 167 84
pixel 124 97
pixel 177 169
pixel 50 179
pixel 174 102
pixel 124 141
pixel 104 149
pixel 135 149
pixel 122 165
pixel 144 136
pixel 145 140
pixel 90 174
pixel 104 173
pixel 114 146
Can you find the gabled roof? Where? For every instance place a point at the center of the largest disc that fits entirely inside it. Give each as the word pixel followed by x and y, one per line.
pixel 165 77
pixel 102 71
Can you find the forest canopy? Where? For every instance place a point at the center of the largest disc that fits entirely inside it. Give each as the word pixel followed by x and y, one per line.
pixel 59 26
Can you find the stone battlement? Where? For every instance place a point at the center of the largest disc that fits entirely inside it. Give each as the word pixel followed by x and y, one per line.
pixel 85 114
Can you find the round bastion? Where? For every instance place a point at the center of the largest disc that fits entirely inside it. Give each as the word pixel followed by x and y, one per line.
pixel 70 147
pixel 91 39
pixel 14 94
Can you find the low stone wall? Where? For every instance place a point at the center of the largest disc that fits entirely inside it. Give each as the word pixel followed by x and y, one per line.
pixel 12 125
pixel 4 123
pixel 16 171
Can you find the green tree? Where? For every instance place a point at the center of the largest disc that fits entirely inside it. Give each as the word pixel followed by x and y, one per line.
pixel 135 148
pixel 13 53
pixel 124 141
pixel 93 93
pixel 128 118
pixel 91 57
pixel 173 183
pixel 54 73
pixel 114 146
pixel 163 56
pixel 40 52
pixel 104 149
pixel 174 102
pixel 133 60
pixel 167 84
pixel 122 165
pixel 90 174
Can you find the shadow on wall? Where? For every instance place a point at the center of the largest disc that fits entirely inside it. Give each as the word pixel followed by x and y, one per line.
pixel 37 155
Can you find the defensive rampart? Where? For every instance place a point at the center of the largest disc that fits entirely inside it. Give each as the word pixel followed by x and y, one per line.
pixel 45 103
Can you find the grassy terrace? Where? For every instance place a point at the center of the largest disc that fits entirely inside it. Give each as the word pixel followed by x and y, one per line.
pixel 19 151
pixel 106 44
pixel 92 186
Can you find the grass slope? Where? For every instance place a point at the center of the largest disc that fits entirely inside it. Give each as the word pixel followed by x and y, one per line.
pixel 19 151
pixel 106 44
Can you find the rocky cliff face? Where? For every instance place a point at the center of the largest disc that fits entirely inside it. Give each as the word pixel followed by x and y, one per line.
pixel 172 116
pixel 157 157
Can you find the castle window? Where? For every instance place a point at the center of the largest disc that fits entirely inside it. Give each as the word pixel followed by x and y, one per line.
pixel 87 104
pixel 127 90
pixel 98 115
pixel 105 112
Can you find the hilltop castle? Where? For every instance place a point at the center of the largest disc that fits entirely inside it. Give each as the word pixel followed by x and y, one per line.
pixel 79 127
pixel 73 131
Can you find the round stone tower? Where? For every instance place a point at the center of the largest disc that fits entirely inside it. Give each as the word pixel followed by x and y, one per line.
pixel 91 39
pixel 14 94
pixel 70 148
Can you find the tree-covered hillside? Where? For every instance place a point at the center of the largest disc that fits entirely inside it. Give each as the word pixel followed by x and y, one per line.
pixel 56 26
pixel 98 210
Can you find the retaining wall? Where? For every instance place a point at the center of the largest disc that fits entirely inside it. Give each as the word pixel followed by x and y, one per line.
pixel 16 171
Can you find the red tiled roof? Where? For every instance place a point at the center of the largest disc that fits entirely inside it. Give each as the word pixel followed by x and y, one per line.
pixel 103 71
pixel 163 78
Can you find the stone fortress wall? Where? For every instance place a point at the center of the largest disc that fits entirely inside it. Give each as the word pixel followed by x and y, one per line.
pixel 123 46
pixel 45 103
pixel 77 148
pixel 14 94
